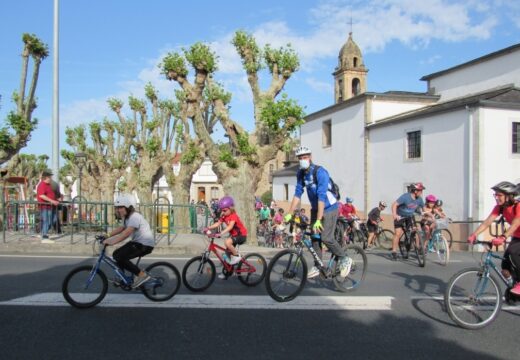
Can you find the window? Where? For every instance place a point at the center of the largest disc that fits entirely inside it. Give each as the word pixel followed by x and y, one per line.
pixel 516 138
pixel 327 134
pixel 214 192
pixel 355 62
pixel 413 145
pixel 356 86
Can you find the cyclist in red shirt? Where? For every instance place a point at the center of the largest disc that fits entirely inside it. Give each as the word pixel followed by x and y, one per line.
pixel 235 228
pixel 509 208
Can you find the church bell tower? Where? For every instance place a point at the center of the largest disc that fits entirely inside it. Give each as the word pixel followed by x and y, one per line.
pixel 350 76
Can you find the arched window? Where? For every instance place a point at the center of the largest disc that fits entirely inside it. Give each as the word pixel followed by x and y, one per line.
pixel 356 86
pixel 354 61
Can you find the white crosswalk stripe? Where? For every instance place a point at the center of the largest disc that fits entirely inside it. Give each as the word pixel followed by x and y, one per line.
pixel 220 302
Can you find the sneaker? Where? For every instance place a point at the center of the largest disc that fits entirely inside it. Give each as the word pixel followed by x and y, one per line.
pixel 222 277
pixel 516 289
pixel 313 272
pixel 47 241
pixel 344 266
pixel 235 259
pixel 394 256
pixel 140 280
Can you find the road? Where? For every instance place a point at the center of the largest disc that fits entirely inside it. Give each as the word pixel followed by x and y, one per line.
pixel 396 314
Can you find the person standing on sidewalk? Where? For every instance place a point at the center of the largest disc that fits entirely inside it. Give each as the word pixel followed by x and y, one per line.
pixel 47 201
pixel 324 208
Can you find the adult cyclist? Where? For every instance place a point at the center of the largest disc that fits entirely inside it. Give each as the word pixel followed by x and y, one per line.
pixel 324 208
pixel 509 208
pixel 403 209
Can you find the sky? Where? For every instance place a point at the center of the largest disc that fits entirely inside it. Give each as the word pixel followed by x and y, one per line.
pixel 112 48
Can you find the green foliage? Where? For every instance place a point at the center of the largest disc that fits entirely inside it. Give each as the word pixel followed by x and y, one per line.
pixel 115 104
pixel 286 60
pixel 136 104
pixel 153 145
pixel 201 57
pixel 227 157
pixel 190 154
pixel 266 197
pixel 150 92
pixel 179 136
pixel 36 48
pixel 248 50
pixel 216 92
pixel 244 147
pixel 15 124
pixel 173 65
pixel 284 113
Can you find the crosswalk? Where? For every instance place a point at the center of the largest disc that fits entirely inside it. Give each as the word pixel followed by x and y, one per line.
pixel 320 303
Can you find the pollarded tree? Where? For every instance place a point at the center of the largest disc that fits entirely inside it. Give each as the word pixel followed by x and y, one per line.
pixel 16 131
pixel 240 166
pixel 29 166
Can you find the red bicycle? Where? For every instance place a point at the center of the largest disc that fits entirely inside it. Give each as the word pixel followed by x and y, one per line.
pixel 199 272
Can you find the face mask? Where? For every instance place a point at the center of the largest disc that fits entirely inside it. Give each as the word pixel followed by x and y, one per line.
pixel 304 164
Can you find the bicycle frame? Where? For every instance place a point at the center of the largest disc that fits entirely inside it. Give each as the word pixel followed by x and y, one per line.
pixel 306 241
pixel 488 264
pixel 103 258
pixel 217 249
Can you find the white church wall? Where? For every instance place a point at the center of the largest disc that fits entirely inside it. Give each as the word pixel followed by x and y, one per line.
pixel 383 108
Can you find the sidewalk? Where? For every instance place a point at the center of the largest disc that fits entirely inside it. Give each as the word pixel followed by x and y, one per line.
pixel 82 244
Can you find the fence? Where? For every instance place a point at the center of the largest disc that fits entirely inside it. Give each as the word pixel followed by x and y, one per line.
pixel 83 217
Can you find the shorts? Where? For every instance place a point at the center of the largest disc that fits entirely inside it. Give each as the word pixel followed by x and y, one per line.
pixel 513 248
pixel 402 222
pixel 371 227
pixel 238 240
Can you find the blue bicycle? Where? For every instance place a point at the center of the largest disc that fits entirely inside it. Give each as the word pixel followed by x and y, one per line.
pixel 438 243
pixel 86 286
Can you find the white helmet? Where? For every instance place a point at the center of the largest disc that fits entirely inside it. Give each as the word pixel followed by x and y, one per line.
pixel 303 150
pixel 125 200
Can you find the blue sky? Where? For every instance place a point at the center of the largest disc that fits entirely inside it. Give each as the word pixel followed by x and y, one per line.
pixel 112 47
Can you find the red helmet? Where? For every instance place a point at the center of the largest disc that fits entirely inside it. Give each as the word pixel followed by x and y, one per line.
pixel 431 198
pixel 417 186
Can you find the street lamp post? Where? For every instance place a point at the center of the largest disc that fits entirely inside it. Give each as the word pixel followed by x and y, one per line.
pixel 81 160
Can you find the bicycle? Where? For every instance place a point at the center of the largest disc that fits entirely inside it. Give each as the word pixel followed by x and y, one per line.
pixel 199 272
pixel 287 271
pixel 473 297
pixel 412 238
pixel 87 285
pixel 438 243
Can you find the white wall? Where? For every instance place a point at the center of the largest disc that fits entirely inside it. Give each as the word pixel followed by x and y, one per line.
pixel 384 109
pixel 478 77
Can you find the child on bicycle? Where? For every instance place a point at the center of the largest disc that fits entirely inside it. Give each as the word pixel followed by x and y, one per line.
pixel 428 216
pixel 374 218
pixel 234 226
pixel 509 209
pixel 141 244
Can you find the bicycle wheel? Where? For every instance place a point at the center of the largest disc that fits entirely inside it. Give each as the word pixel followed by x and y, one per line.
pixel 447 236
pixel 384 239
pixel 286 275
pixel 404 246
pixel 358 269
pixel 83 288
pixel 164 284
pixel 359 238
pixel 198 274
pixel 441 247
pixel 418 238
pixel 473 299
pixel 252 270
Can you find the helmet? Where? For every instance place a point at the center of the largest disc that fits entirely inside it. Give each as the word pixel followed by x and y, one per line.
pixel 226 202
pixel 431 198
pixel 382 203
pixel 303 150
pixel 125 200
pixel 349 200
pixel 506 187
pixel 438 202
pixel 417 186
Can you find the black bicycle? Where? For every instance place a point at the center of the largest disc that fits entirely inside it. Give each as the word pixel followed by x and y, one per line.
pixel 412 239
pixel 85 286
pixel 287 271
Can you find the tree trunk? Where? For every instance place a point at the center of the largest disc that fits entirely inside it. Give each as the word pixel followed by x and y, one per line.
pixel 242 188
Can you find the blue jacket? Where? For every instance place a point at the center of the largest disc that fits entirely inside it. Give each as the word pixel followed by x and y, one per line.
pixel 318 189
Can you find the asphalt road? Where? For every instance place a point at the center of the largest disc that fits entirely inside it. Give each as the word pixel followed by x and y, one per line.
pixel 413 326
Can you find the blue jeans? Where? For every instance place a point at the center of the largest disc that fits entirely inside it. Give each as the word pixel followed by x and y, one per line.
pixel 45 221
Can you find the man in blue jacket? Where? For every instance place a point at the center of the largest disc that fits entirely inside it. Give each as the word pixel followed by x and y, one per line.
pixel 324 208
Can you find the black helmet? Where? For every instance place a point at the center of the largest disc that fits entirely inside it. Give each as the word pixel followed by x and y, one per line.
pixel 417 186
pixel 506 187
pixel 438 203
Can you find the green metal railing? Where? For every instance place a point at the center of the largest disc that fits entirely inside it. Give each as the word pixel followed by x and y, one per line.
pixel 82 217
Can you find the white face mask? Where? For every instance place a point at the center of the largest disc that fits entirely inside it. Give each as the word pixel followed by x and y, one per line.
pixel 304 164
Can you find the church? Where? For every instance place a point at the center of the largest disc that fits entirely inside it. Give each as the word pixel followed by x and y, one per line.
pixel 459 137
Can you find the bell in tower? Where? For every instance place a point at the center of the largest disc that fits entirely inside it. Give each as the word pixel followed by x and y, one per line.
pixel 350 76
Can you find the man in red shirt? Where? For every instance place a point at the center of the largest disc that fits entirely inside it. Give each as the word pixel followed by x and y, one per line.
pixel 46 199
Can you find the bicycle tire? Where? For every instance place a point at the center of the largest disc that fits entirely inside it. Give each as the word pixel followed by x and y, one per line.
pixel 252 278
pixel 441 247
pixel 384 239
pixel 286 275
pixel 420 252
pixel 339 235
pixel 403 248
pixel 359 238
pixel 80 280
pixel 449 237
pixel 464 306
pixel 358 269
pixel 198 275
pixel 164 284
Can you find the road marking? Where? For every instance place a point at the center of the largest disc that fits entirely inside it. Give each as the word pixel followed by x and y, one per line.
pixel 220 302
pixel 441 299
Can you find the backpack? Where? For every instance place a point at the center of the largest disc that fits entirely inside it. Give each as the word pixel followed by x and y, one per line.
pixel 334 187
